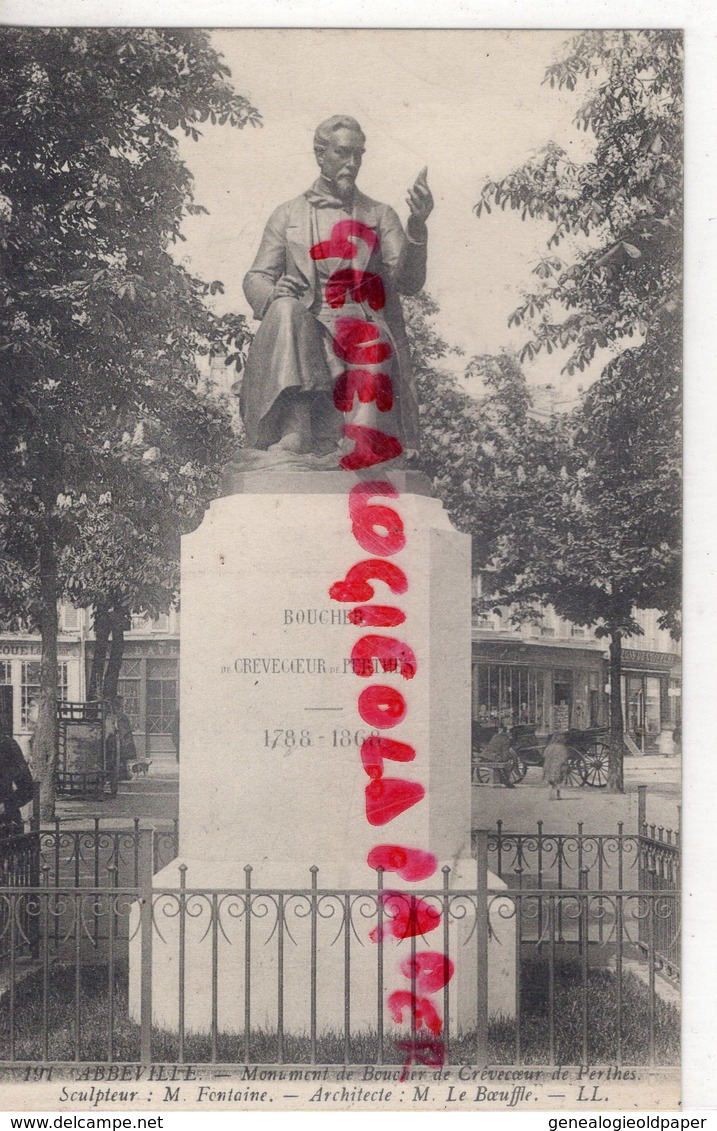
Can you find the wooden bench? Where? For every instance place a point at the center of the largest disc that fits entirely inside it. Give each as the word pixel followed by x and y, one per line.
pixel 492 772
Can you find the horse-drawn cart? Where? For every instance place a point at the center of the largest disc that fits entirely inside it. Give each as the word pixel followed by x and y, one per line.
pixel 588 762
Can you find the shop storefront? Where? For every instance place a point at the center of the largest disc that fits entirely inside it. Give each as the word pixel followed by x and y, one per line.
pixel 20 682
pixel 650 696
pixel 148 686
pixel 548 688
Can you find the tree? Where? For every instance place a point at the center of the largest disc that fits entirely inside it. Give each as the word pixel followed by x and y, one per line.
pixel 100 327
pixel 602 538
pixel 612 268
pixel 590 525
pixel 468 447
pixel 126 555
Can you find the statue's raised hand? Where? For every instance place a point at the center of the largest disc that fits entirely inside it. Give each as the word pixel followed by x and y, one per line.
pixel 420 200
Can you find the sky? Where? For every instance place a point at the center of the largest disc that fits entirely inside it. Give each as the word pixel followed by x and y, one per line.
pixel 468 104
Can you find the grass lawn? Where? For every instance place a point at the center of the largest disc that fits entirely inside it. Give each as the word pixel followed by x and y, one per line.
pixel 602 1026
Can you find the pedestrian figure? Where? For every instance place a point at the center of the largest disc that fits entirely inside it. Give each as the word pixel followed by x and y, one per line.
pixel 111 740
pixel 120 749
pixel 16 786
pixel 556 757
pixel 125 740
pixel 499 749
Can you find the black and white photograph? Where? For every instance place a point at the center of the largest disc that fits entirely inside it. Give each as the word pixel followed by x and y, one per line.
pixel 341 377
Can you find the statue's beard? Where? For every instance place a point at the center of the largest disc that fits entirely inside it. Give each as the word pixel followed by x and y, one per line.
pixel 345 185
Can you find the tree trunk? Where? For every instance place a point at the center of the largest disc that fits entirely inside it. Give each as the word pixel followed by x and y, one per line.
pixel 45 739
pixel 615 783
pixel 119 619
pixel 102 627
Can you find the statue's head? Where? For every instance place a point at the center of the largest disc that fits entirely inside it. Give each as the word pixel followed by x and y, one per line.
pixel 339 147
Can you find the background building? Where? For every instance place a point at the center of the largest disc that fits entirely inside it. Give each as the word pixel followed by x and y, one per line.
pixel 149 682
pixel 552 676
pixel 149 677
pixel 20 672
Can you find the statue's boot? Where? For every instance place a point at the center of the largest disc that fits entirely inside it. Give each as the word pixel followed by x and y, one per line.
pixel 295 424
pixel 292 442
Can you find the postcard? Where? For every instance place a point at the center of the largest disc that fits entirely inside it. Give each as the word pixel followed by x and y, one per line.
pixel 340 662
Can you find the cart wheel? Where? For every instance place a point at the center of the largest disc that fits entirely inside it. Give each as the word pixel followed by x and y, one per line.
pixel 481 774
pixel 597 765
pixel 518 769
pixel 576 769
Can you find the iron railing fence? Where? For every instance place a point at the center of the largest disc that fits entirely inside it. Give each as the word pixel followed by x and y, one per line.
pixel 594 862
pixel 80 856
pixel 565 860
pixel 93 856
pixel 647 860
pixel 72 854
pixel 586 972
pixel 19 869
pixel 659 870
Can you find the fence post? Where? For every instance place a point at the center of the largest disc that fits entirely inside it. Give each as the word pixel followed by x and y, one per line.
pixel 641 808
pixel 482 912
pixel 145 862
pixel 34 872
pixel 35 814
pixel 583 917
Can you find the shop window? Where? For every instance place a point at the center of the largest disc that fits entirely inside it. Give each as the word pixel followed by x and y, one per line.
pixel 594 681
pixel 70 618
pixel 161 696
pixel 562 700
pixel 509 694
pixel 642 709
pixel 30 689
pixel 6 719
pixel 139 622
pixel 652 709
pixel 128 688
pixel 161 623
pixel 128 691
pixel 674 700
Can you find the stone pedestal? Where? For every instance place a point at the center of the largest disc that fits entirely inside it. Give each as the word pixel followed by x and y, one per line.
pixel 271 775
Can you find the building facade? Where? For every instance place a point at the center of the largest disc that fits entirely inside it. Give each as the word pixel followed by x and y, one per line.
pixel 20 673
pixel 149 682
pixel 551 676
pixel 555 675
pixel 149 677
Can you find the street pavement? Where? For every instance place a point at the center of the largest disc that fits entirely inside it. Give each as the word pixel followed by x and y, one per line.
pixel 663 777
pixel 155 797
pixel 151 798
pixel 597 810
